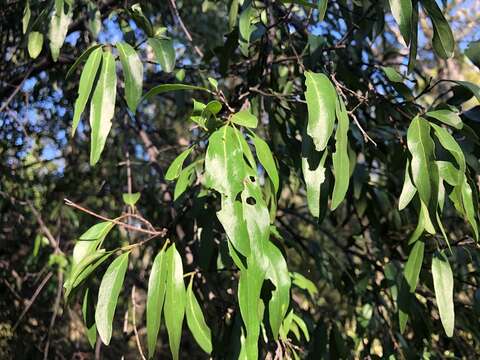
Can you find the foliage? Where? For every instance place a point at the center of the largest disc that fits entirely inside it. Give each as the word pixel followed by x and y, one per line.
pixel 286 182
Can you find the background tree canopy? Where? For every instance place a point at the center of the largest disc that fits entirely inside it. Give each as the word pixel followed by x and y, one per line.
pixel 239 179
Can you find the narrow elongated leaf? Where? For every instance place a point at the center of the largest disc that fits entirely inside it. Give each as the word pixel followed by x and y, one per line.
pixel 473 53
pixel 402 13
pixel 245 28
pixel 473 88
pixel 322 9
pixel 447 117
pixel 86 83
pixel 88 312
pixel 247 152
pixel 35 44
pixel 164 53
pixel 184 180
pixel 279 276
pixel 108 293
pixel 412 54
pixel 449 143
pixel 196 322
pixel 141 20
pixel 443 41
pixel 176 166
pixel 26 16
pixel 133 74
pixel 321 98
pixel 90 240
pixel 467 199
pixel 58 28
pixel 449 173
pixel 224 164
pixel 313 169
pixel 175 299
pixel 81 58
pixel 157 283
pixel 408 190
pixel 421 147
pixel 245 118
pixel 414 265
pixel 163 88
pixel 265 157
pixel 232 14
pixel 231 218
pixel 392 74
pixel 443 284
pixel 102 107
pixel 341 164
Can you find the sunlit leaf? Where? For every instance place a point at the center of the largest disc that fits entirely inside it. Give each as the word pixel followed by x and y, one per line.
pixel 133 74
pixel 196 322
pixel 443 285
pixel 164 53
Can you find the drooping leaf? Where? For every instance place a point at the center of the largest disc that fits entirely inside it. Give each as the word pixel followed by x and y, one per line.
pixel 133 74
pixel 245 118
pixel 467 199
pixel 108 293
pixel 265 157
pixel 443 41
pixel 35 44
pixel 26 17
pixel 131 199
pixel 232 14
pixel 341 164
pixel 278 274
pixel 58 28
pixel 85 55
pixel 449 143
pixel 412 54
pixel 183 181
pixel 224 164
pixel 245 28
pixel 421 147
pixel 443 285
pixel 164 53
pixel 322 9
pixel 305 284
pixel 163 88
pixel 176 166
pixel 408 190
pixel 321 98
pixel 196 322
pixel 102 107
pixel 90 240
pixel 392 74
pixel 141 20
pixel 88 312
pixel 402 13
pixel 175 299
pixel 473 52
pixel 86 83
pixel 447 117
pixel 231 218
pixel 155 298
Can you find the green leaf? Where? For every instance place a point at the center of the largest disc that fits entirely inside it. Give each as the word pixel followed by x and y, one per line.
pixel 163 88
pixel 473 52
pixel 414 265
pixel 408 190
pixel 90 240
pixel 301 324
pixel 58 28
pixel 175 299
pixel 421 147
pixel 131 199
pixel 412 55
pixel 155 298
pixel 184 179
pixel 392 74
pixel 245 118
pixel 265 157
pixel 245 28
pixel 402 13
pixel 224 164
pixel 279 276
pixel 467 199
pixel 108 293
pixel 443 284
pixel 88 311
pixel 231 218
pixel 141 20
pixel 86 83
pixel 449 173
pixel 26 17
pixel 449 143
pixel 322 9
pixel 313 168
pixel 443 41
pixel 164 53
pixel 305 284
pixel 232 15
pixel 132 73
pixel 176 166
pixel 196 322
pixel 321 98
pixel 247 152
pixel 447 117
pixel 81 58
pixel 341 164
pixel 35 44
pixel 473 88
pixel 102 107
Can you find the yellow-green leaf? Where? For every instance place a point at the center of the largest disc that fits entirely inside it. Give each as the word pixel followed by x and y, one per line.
pixel 176 166
pixel 245 118
pixel 35 43
pixel 164 53
pixel 402 13
pixel 58 28
pixel 196 322
pixel 264 155
pixel 443 285
pixel 133 74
